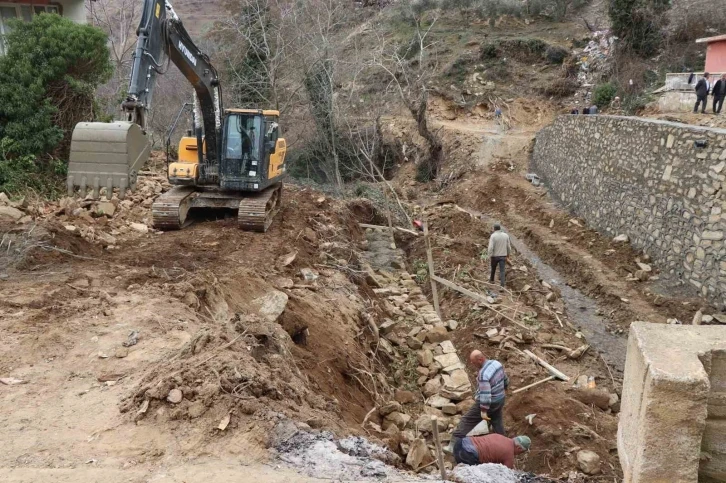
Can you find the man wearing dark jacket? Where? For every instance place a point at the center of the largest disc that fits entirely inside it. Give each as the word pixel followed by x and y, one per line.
pixel 703 87
pixel 719 93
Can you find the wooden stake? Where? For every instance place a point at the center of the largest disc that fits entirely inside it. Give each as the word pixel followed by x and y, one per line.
pixel 432 276
pixel 437 443
pixel 552 370
pixel 533 384
pixel 478 297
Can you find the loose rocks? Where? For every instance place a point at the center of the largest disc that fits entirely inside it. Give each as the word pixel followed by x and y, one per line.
pixel 589 462
pixel 175 396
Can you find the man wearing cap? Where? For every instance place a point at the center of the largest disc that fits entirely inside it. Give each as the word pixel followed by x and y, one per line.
pixel 490 448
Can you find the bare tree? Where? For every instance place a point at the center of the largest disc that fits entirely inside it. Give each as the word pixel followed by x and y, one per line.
pixel 119 19
pixel 257 45
pixel 318 21
pixel 410 68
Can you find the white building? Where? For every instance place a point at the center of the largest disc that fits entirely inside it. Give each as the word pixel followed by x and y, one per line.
pixel 25 9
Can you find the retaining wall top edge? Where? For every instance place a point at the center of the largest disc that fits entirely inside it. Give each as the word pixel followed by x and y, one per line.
pixel 654 122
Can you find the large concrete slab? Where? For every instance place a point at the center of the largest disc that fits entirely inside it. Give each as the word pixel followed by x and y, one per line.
pixel 673 415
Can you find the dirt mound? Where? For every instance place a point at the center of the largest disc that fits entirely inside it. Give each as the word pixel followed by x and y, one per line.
pixel 237 370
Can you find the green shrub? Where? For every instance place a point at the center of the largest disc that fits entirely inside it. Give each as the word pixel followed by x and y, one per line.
pixel 639 23
pixel 22 174
pixel 604 94
pixel 48 78
pixel 51 69
pixel 556 55
pixel 634 103
pixel 489 51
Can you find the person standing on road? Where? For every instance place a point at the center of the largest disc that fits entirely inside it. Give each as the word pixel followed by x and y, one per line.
pixel 499 250
pixel 719 93
pixel 492 381
pixel 703 87
pixel 490 448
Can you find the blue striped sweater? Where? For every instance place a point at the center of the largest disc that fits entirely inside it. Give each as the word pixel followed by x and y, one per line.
pixel 492 383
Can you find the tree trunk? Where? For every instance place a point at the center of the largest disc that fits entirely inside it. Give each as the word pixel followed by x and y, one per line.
pixel 436 149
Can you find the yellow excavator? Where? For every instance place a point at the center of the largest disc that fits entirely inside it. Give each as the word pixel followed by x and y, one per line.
pixel 234 158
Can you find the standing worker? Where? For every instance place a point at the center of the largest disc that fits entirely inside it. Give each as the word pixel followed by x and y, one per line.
pixel 490 448
pixel 703 87
pixel 719 93
pixel 499 250
pixel 489 399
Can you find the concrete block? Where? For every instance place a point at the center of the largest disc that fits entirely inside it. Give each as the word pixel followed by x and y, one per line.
pixel 670 412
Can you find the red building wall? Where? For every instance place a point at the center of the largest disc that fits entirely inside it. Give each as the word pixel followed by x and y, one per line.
pixel 716 56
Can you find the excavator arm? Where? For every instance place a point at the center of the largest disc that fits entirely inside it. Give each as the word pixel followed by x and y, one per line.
pixel 111 154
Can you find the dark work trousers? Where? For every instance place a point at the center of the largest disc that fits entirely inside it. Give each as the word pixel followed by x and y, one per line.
pixel 502 262
pixel 463 456
pixel 473 417
pixel 699 100
pixel 717 104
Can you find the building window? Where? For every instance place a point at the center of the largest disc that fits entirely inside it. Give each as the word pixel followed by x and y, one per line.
pixel 10 11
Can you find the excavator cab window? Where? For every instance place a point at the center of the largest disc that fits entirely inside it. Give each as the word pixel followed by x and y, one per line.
pixel 243 137
pixel 272 133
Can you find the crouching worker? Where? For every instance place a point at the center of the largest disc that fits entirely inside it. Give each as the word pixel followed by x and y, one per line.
pixel 490 448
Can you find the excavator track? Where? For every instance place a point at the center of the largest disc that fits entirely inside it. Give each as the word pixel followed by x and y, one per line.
pixel 169 211
pixel 257 211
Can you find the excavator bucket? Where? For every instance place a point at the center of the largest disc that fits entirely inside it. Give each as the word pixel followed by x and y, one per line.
pixel 106 155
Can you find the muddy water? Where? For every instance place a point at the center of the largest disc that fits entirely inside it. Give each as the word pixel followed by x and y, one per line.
pixel 583 310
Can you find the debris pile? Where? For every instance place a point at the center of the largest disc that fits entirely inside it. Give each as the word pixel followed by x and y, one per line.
pixel 102 222
pixel 593 60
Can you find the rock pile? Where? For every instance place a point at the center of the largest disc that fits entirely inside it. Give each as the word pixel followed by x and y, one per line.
pixel 102 222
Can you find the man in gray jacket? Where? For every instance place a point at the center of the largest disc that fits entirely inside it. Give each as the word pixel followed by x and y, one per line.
pixel 499 249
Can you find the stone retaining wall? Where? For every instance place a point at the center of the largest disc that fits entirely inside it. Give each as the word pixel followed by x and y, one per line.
pixel 414 331
pixel 661 183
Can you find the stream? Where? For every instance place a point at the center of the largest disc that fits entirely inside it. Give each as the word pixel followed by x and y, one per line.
pixel 582 309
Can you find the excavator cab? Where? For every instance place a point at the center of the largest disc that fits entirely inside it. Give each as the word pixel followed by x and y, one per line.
pixel 253 153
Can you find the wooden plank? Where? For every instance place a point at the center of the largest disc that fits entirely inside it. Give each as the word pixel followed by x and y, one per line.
pixel 533 384
pixel 381 227
pixel 432 276
pixel 479 298
pixel 437 443
pixel 552 370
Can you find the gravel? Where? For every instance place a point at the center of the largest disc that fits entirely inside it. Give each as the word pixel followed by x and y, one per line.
pixel 486 473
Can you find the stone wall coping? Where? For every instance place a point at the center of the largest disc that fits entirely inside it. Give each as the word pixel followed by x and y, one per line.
pixel 654 122
pixel 673 351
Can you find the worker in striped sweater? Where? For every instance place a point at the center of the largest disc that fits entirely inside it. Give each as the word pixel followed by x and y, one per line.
pixel 489 400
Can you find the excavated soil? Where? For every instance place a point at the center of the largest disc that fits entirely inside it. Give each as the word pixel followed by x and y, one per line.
pixel 195 309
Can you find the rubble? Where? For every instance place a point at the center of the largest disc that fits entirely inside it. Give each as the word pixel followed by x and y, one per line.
pixel 419 454
pixel 589 462
pixel 10 212
pixel 175 396
pixel 139 227
pixel 486 473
